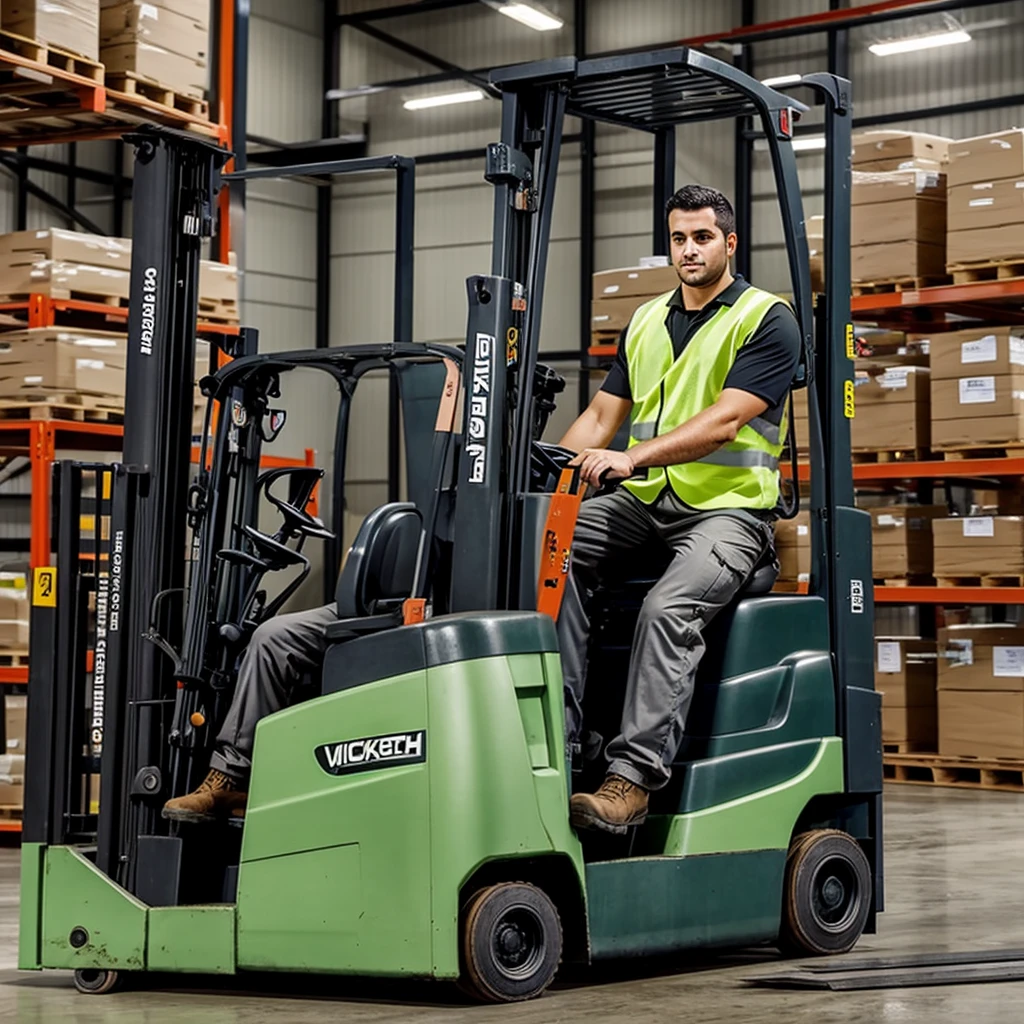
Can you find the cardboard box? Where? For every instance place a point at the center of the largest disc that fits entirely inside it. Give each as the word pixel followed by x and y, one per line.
pixel 980 432
pixel 871 187
pixel 218 282
pixel 183 74
pixel 614 314
pixel 905 671
pixel 888 260
pixel 798 415
pixel 978 396
pixel 195 10
pixel 985 204
pixel 69 24
pixel 986 157
pixel 901 539
pixel 978 546
pixel 917 725
pixel 815 227
pixel 63 280
pixel 891 409
pixel 979 723
pixel 15 711
pixel 793 548
pixel 914 217
pixel 156 25
pixel 979 350
pixel 49 357
pixel 635 281
pixel 19 247
pixel 901 148
pixel 983 245
pixel 988 656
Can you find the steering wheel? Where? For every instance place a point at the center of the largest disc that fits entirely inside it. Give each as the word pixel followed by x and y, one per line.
pixel 546 464
pixel 302 482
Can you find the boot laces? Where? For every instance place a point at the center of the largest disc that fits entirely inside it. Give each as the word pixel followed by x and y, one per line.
pixel 617 787
pixel 216 780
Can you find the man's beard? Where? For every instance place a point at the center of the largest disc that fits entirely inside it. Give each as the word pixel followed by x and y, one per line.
pixel 705 277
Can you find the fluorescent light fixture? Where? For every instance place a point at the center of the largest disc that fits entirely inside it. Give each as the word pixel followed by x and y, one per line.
pixel 532 15
pixel 805 142
pixel 444 99
pixel 927 42
pixel 781 80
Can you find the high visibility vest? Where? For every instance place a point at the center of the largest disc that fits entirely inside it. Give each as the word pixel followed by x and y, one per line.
pixel 667 391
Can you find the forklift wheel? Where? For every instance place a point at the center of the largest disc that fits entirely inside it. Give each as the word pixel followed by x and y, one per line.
pixel 93 982
pixel 827 897
pixel 511 943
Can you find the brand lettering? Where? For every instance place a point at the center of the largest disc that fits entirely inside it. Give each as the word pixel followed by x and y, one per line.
pixel 857 597
pixel 149 292
pixel 373 752
pixel 479 401
pixel 116 569
pixel 99 672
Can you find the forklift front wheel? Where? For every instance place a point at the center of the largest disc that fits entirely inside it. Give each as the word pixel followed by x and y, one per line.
pixel 511 943
pixel 94 982
pixel 827 897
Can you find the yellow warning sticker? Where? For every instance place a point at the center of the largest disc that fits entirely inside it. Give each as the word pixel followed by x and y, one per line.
pixel 848 404
pixel 44 586
pixel 851 351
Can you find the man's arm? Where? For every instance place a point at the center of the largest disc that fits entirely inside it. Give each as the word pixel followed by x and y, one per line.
pixel 598 423
pixel 704 433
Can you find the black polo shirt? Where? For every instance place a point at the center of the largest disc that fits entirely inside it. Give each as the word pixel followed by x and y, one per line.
pixel 764 366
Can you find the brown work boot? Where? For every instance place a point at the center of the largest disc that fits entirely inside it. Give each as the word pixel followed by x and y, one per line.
pixel 616 806
pixel 218 796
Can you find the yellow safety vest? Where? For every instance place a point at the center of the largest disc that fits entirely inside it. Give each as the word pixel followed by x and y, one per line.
pixel 667 391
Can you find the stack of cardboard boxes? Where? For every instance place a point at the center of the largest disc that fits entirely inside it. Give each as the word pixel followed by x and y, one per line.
pixel 977 387
pixel 793 550
pixel 978 546
pixel 898 216
pixel 165 42
pixel 981 690
pixel 901 540
pixel 892 409
pixel 14 610
pixel 986 199
pixel 905 676
pixel 12 760
pixel 617 293
pixel 60 263
pixel 68 24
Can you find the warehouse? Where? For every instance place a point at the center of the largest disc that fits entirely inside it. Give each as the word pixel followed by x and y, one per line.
pixel 511 502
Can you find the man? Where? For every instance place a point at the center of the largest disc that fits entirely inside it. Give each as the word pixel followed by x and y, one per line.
pixel 281 651
pixel 704 373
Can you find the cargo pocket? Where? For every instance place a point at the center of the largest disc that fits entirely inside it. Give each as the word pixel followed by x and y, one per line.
pixel 723 580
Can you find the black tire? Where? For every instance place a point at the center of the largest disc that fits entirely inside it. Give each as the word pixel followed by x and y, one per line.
pixel 511 943
pixel 827 896
pixel 95 982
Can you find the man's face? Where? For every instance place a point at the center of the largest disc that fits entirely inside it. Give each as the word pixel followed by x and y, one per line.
pixel 700 252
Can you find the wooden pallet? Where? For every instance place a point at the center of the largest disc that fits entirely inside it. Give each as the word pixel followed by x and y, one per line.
pixel 131 84
pixel 1000 580
pixel 955 454
pixel 868 456
pixel 987 270
pixel 114 301
pixel 905 581
pixel 53 410
pixel 52 56
pixel 958 772
pixel 906 747
pixel 13 658
pixel 11 812
pixel 898 284
pixel 218 311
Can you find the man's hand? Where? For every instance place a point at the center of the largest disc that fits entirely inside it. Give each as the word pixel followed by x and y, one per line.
pixel 595 463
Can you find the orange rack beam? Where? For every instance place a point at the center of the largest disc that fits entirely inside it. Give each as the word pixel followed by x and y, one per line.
pixel 983 299
pixel 934 470
pixel 42 311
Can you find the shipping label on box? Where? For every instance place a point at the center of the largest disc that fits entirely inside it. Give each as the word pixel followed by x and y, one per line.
pixel 978 395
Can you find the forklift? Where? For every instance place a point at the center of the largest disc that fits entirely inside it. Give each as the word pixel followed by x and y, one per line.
pixel 411 817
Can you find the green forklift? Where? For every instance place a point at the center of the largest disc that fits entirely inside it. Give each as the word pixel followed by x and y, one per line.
pixel 410 818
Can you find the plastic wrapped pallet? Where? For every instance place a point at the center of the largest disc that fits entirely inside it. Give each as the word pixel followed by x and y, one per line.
pixel 69 24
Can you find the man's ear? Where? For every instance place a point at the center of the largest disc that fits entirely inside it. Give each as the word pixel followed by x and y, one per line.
pixel 730 243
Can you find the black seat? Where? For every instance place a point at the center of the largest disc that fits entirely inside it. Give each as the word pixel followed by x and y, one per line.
pixel 379 570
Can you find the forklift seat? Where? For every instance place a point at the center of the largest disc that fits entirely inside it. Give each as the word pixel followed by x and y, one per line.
pixel 381 562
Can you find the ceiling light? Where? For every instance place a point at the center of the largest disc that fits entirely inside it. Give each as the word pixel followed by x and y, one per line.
pixel 532 15
pixel 805 142
pixel 927 42
pixel 444 99
pixel 781 80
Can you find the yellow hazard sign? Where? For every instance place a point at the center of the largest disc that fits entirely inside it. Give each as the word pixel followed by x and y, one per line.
pixel 44 586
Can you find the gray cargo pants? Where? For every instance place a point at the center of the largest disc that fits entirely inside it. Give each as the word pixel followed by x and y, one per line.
pixel 714 555
pixel 281 651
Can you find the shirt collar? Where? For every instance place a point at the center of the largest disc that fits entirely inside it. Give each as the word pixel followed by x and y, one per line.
pixel 726 298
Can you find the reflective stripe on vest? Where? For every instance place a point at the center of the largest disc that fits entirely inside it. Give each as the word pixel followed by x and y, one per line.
pixel 667 391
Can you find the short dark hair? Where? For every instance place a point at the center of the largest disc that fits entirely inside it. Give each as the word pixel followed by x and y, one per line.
pixel 700 197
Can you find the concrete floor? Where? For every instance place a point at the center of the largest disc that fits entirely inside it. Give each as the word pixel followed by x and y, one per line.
pixel 955 860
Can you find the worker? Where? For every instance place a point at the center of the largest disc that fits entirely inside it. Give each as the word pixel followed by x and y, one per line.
pixel 704 372
pixel 282 650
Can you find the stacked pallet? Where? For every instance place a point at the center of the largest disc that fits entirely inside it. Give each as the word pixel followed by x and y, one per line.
pixel 161 46
pixel 902 543
pixel 905 676
pixel 68 24
pixel 617 294
pixel 12 760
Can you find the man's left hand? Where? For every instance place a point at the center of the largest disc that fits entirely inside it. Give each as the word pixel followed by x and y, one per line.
pixel 598 465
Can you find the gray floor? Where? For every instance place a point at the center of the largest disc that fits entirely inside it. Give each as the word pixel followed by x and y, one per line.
pixel 955 863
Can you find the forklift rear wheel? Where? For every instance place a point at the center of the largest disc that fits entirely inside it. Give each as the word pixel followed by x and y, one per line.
pixel 511 943
pixel 828 894
pixel 93 982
